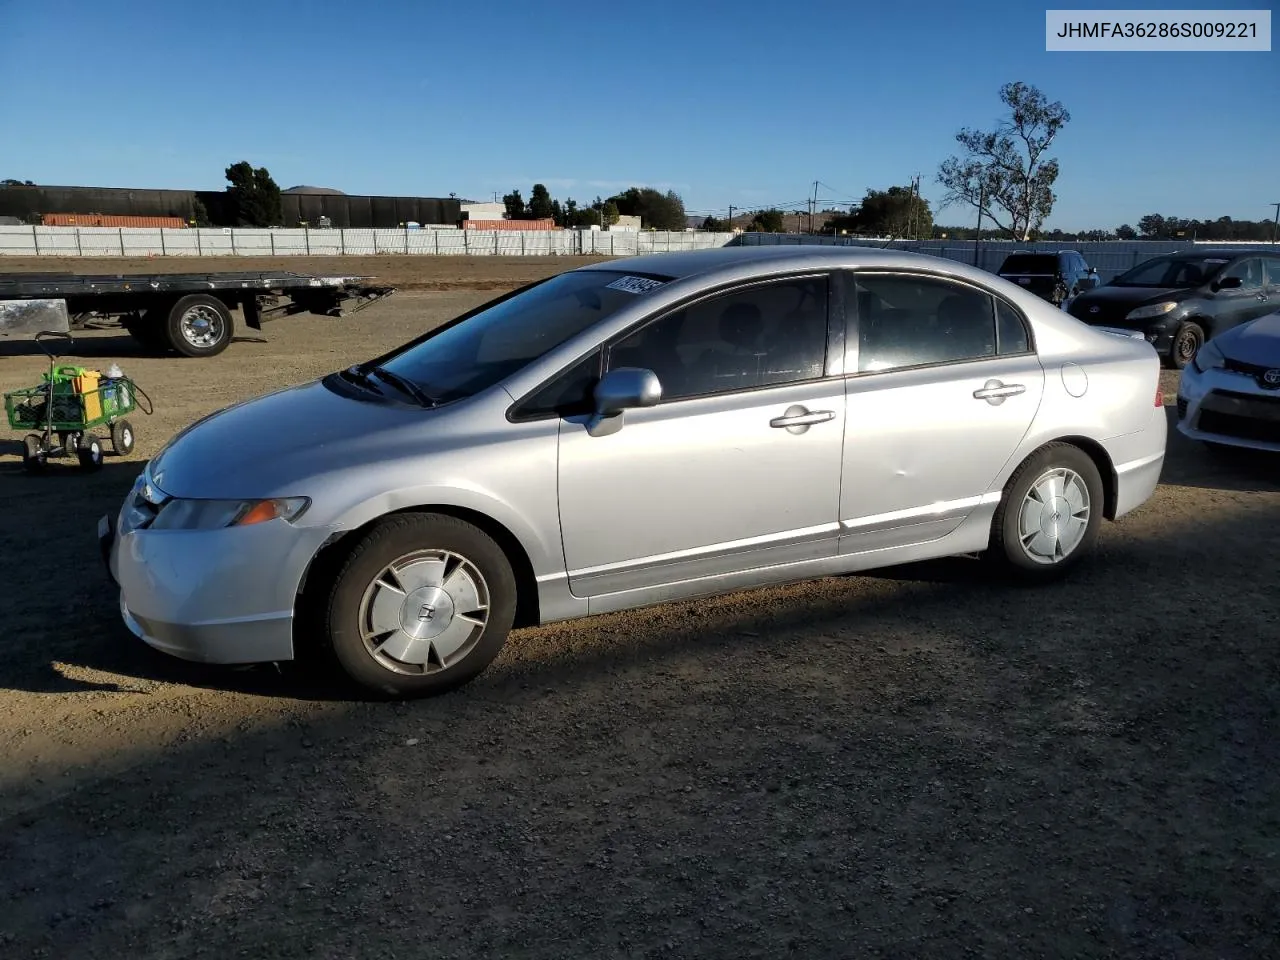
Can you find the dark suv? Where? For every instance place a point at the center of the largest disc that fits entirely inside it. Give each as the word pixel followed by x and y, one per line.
pixel 1180 300
pixel 1052 276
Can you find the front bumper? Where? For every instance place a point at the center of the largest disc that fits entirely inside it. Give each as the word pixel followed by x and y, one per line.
pixel 1228 408
pixel 211 596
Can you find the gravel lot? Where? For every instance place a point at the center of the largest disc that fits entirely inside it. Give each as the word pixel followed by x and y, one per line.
pixel 921 763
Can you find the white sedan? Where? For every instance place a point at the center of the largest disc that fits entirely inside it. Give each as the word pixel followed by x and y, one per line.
pixel 1230 392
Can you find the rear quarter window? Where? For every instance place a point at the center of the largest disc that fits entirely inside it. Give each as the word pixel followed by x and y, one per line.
pixel 1030 263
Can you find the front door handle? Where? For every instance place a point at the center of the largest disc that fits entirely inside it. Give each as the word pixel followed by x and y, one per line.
pixel 995 392
pixel 802 419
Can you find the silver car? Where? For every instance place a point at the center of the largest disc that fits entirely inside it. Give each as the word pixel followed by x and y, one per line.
pixel 634 432
pixel 1229 395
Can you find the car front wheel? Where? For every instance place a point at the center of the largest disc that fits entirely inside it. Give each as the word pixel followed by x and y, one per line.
pixel 1188 339
pixel 421 605
pixel 1049 516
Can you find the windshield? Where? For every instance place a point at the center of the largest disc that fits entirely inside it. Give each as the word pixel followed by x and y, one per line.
pixel 1171 272
pixel 1030 263
pixel 472 354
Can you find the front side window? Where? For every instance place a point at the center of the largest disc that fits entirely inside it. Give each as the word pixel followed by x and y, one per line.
pixel 1249 272
pixel 498 341
pixel 1273 272
pixel 906 321
pixel 765 335
pixel 1178 272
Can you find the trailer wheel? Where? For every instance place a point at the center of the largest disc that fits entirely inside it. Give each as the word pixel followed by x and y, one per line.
pixel 199 326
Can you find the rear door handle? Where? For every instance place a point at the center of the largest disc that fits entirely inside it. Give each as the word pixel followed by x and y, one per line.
pixel 993 391
pixel 803 419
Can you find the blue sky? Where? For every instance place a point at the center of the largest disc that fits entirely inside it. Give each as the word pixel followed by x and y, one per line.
pixel 743 103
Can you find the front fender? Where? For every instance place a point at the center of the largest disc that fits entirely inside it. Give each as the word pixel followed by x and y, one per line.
pixel 542 546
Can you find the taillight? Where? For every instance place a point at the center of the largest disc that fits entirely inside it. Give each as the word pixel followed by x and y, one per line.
pixel 1159 397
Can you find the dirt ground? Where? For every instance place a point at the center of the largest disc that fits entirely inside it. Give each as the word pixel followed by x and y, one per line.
pixel 919 763
pixel 404 273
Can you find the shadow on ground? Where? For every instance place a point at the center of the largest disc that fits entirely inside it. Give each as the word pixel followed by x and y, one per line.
pixel 925 767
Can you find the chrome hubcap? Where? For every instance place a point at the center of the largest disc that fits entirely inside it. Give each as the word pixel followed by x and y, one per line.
pixel 1054 516
pixel 201 326
pixel 424 612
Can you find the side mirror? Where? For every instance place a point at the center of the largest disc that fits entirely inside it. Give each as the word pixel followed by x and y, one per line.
pixel 618 391
pixel 1089 281
pixel 1226 283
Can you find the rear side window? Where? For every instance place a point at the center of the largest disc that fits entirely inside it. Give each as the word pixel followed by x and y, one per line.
pixel 1045 263
pixel 1011 330
pixel 908 321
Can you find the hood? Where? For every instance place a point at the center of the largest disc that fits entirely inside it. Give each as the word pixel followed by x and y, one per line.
pixel 1109 305
pixel 252 448
pixel 1108 295
pixel 1256 343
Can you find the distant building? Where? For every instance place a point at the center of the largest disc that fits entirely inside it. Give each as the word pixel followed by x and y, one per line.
pixel 484 211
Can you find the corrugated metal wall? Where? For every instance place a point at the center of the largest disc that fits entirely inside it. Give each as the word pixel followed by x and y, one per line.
pixel 342 210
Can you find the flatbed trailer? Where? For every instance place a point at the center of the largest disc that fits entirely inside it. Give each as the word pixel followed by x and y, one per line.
pixel 191 313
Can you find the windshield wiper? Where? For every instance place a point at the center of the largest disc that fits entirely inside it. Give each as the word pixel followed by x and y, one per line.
pixel 358 375
pixel 404 386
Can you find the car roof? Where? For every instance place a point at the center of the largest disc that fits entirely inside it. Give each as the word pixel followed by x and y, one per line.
pixel 1214 252
pixel 780 258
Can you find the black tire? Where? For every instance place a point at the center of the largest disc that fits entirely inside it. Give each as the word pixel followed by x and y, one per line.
pixel 1007 549
pixel 122 438
pixel 90 453
pixel 389 540
pixel 34 459
pixel 148 329
pixel 198 326
pixel 1188 338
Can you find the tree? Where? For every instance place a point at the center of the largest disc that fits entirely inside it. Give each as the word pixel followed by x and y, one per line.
pixel 9 182
pixel 540 204
pixel 714 225
pixel 656 210
pixel 199 215
pixel 767 221
pixel 515 206
pixel 1004 172
pixel 253 197
pixel 1126 232
pixel 896 212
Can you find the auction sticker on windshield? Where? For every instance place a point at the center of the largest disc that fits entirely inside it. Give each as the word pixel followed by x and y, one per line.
pixel 634 284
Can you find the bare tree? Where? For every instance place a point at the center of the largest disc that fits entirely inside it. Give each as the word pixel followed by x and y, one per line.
pixel 1004 172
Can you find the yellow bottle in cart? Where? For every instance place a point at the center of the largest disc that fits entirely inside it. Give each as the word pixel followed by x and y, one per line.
pixel 85 383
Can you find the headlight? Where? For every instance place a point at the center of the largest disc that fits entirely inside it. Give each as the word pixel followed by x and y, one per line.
pixel 1208 357
pixel 219 514
pixel 1155 310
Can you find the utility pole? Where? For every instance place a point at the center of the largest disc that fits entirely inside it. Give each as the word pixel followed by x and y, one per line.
pixel 813 205
pixel 731 218
pixel 1275 223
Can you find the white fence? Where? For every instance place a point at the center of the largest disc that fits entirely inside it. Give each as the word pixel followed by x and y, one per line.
pixel 1110 257
pixel 22 241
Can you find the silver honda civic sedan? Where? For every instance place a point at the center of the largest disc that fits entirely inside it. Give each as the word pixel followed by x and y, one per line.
pixel 633 432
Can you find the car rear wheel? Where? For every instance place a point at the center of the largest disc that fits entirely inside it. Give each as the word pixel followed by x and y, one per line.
pixel 1186 341
pixel 1049 516
pixel 421 605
